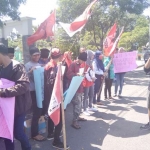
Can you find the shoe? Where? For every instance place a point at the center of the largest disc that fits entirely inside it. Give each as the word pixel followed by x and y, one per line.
pixel 119 96
pixel 145 127
pixel 86 113
pixel 115 95
pixel 59 145
pixel 51 136
pixel 92 109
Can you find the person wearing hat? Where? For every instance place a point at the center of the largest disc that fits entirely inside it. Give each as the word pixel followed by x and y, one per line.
pixel 77 100
pixel 11 52
pixel 14 71
pixel 30 66
pixel 49 80
pixel 44 56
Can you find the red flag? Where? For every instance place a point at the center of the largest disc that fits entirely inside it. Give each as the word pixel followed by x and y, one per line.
pixel 44 31
pixel 54 106
pixel 79 22
pixel 116 42
pixel 109 41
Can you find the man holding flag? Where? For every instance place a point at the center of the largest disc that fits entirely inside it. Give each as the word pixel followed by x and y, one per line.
pixel 53 97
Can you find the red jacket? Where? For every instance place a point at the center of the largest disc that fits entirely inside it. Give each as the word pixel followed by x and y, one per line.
pixel 72 71
pixel 85 82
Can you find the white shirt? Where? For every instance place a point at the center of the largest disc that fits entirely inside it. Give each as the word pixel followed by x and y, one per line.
pixel 97 71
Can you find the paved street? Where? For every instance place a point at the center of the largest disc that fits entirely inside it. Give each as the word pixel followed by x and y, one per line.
pixel 116 126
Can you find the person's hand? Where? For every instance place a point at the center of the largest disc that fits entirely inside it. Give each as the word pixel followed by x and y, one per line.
pixel 31 70
pixel 79 74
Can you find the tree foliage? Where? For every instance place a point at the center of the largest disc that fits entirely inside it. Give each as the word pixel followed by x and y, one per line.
pixel 10 8
pixel 138 37
pixel 104 14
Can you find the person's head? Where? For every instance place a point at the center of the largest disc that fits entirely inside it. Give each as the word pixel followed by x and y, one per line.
pixel 3 53
pixel 82 49
pixel 11 52
pixel 121 50
pixel 44 54
pixel 35 54
pixel 90 57
pixel 68 55
pixel 56 54
pixel 82 57
pixel 99 55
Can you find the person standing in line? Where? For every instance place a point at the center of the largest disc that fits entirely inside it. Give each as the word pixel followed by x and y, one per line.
pixel 147 69
pixel 119 78
pixel 77 99
pixel 109 78
pixel 49 80
pixel 14 71
pixel 98 68
pixel 37 112
pixel 44 57
pixel 88 84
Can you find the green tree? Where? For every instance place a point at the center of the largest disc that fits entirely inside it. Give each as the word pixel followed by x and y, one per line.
pixel 104 14
pixel 10 8
pixel 138 36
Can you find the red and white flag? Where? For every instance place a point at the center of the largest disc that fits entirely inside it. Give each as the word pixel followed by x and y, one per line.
pixel 109 40
pixel 56 98
pixel 116 42
pixel 45 30
pixel 79 23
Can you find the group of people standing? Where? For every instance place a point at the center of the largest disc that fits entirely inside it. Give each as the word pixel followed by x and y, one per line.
pixel 95 72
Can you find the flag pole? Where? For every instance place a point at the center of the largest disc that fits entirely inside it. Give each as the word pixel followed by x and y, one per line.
pixel 63 114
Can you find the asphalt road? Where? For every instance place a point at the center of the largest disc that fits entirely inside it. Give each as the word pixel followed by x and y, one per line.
pixel 116 125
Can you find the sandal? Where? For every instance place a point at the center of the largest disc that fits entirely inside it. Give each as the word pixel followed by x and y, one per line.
pixel 39 138
pixel 75 125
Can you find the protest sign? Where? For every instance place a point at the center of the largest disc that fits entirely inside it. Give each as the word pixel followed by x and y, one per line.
pixel 7 106
pixel 74 85
pixel 39 85
pixel 125 62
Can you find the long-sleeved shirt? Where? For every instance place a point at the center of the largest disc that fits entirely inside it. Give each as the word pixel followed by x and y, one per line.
pixel 72 71
pixel 97 70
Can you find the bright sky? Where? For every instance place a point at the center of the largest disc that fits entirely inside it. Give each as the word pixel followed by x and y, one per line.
pixel 39 9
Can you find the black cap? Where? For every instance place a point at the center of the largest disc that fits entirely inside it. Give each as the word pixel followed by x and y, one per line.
pixel 44 53
pixel 83 56
pixel 11 50
pixel 34 51
pixel 3 49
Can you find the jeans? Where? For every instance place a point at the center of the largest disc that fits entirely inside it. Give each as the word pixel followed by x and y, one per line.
pixel 108 85
pixel 97 86
pixel 18 134
pixel 119 82
pixel 77 105
pixel 36 115
pixel 88 93
pixel 55 129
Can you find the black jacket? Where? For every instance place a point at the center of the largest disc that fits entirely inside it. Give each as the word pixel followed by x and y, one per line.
pixel 20 90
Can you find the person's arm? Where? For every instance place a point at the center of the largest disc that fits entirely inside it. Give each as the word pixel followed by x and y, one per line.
pixel 147 66
pixel 96 70
pixel 21 83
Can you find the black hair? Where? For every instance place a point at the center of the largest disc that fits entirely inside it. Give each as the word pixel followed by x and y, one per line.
pixel 3 49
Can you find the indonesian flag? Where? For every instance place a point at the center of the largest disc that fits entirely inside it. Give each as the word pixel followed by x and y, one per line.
pixel 116 42
pixel 79 23
pixel 109 41
pixel 45 30
pixel 56 98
